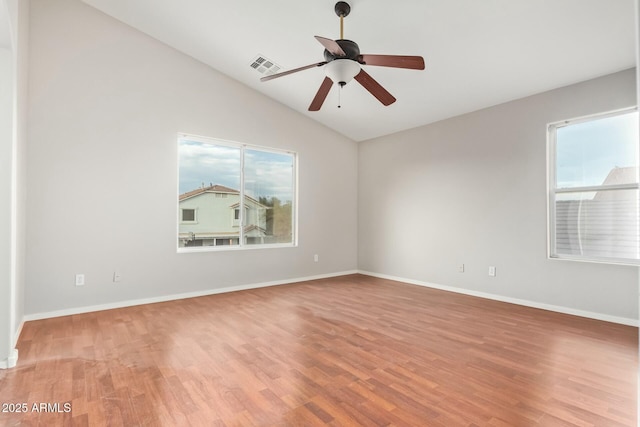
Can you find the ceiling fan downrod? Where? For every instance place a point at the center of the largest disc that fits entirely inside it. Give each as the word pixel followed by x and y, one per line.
pixel 342 9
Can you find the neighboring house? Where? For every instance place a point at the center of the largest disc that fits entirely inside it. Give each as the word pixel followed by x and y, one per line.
pixel 210 216
pixel 604 223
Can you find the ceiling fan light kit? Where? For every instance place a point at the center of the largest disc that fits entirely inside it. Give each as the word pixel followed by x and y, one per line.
pixel 343 63
pixel 342 71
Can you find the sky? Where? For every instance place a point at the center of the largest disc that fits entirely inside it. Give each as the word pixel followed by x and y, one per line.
pixel 586 152
pixel 266 174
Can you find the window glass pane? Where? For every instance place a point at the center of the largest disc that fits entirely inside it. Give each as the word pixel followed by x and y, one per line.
pixel 598 224
pixel 230 194
pixel 269 191
pixel 205 172
pixel 598 152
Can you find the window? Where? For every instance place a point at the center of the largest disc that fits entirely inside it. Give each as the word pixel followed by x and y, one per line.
pixel 593 188
pixel 188 215
pixel 253 186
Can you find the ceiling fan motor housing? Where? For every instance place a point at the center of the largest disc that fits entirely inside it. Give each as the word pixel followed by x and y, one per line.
pixel 349 47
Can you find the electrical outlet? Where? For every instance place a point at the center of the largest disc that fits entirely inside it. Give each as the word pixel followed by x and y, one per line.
pixel 461 268
pixel 79 279
pixel 492 271
pixel 315 258
pixel 117 276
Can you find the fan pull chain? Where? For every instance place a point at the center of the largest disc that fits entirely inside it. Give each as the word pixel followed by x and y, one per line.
pixel 339 93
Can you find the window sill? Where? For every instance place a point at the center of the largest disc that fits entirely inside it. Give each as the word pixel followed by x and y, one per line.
pixel 229 248
pixel 612 261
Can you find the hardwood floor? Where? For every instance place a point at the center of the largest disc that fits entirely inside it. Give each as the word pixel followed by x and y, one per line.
pixel 348 351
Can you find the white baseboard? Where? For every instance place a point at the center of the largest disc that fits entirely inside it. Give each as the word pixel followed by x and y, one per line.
pixel 164 298
pixel 17 333
pixel 11 361
pixel 527 303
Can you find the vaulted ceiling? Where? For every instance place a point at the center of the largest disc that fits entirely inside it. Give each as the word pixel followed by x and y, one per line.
pixel 477 53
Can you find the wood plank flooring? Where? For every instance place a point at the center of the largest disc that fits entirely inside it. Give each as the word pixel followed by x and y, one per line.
pixel 347 351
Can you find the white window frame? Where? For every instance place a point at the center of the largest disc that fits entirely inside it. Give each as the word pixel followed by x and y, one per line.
pixel 553 190
pixel 243 147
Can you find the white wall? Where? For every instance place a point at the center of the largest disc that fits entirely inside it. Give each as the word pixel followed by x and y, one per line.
pixel 6 206
pixel 106 104
pixel 13 65
pixel 19 13
pixel 472 190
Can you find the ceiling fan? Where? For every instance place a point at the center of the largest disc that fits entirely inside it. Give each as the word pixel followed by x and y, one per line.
pixel 343 62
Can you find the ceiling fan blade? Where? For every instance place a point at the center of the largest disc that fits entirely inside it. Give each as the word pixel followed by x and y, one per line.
pixel 295 70
pixel 396 61
pixel 325 87
pixel 375 88
pixel 331 45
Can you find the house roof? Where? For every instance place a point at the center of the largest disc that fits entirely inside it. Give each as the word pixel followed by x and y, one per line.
pixel 237 205
pixel 252 227
pixel 618 176
pixel 213 188
pixel 621 175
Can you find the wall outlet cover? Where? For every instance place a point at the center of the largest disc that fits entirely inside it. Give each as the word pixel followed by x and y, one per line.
pixel 79 279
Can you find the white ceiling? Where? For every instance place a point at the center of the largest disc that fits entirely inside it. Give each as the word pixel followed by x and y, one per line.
pixel 477 53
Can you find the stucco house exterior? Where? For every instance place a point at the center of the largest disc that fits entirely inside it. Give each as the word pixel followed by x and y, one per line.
pixel 210 216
